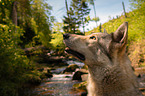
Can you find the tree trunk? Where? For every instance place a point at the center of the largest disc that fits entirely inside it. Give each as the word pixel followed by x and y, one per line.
pixel 67 13
pixel 100 28
pixel 124 9
pixel 14 13
pixel 94 11
pixel 83 26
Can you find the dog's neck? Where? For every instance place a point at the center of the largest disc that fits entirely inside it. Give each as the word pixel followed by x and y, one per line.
pixel 119 77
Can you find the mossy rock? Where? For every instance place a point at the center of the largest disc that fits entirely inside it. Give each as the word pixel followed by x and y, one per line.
pixel 71 68
pixel 78 74
pixel 32 79
pixel 85 67
pixel 46 74
pixel 35 77
pixel 81 86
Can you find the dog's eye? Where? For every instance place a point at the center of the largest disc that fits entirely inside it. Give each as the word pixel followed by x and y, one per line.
pixel 93 37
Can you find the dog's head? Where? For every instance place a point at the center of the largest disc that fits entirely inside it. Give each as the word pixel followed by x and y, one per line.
pixel 97 48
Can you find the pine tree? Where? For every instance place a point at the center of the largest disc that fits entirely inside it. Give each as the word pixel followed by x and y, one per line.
pixel 92 3
pixel 76 15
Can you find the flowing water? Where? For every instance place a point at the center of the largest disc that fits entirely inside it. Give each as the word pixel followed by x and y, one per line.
pixel 58 85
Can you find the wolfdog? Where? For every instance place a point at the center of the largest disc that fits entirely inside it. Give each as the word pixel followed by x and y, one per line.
pixel 110 71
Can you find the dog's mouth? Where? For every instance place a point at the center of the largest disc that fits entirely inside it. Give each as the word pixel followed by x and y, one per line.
pixel 75 53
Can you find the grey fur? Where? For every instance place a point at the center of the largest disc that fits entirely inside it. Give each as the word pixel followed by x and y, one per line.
pixel 110 72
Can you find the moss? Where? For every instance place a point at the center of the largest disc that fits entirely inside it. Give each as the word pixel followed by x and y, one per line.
pixel 85 67
pixel 32 79
pixel 71 68
pixel 35 77
pixel 81 86
pixel 46 75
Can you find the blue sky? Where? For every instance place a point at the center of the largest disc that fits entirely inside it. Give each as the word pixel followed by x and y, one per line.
pixel 104 10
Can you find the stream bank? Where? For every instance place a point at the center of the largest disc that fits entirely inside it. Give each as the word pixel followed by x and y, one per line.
pixel 59 85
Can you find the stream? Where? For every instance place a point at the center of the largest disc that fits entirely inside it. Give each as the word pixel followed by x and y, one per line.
pixel 58 85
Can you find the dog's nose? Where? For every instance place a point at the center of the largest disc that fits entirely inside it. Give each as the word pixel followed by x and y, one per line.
pixel 66 35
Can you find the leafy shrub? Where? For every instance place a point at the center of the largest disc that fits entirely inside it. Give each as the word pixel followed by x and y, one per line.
pixel 12 61
pixel 57 42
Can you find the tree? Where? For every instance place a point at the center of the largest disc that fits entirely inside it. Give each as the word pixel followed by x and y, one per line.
pixel 33 16
pixel 100 27
pixel 124 9
pixel 92 3
pixel 139 11
pixel 14 13
pixel 32 19
pixel 57 27
pixel 75 19
pixel 136 3
pixel 67 11
pixel 42 21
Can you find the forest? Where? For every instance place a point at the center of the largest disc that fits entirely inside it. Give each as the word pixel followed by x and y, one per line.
pixel 31 40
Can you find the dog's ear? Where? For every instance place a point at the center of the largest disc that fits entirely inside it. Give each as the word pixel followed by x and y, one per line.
pixel 121 34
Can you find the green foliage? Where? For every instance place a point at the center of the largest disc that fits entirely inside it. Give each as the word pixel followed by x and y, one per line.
pixel 81 85
pixel 76 16
pixel 34 17
pixel 34 21
pixel 95 19
pixel 42 17
pixel 57 27
pixel 137 3
pixel 13 63
pixel 57 41
pixel 57 36
pixel 91 1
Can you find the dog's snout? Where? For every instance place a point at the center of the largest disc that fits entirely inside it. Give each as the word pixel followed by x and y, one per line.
pixel 66 35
